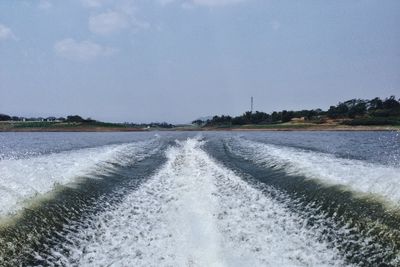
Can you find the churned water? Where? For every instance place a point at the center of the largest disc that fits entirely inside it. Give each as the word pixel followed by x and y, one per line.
pixel 200 199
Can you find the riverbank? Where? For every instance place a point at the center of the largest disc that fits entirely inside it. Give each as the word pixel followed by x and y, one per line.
pixel 78 129
pixel 9 127
pixel 308 128
pixel 66 127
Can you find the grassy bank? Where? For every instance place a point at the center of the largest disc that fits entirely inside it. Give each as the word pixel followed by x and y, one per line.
pixel 114 127
pixel 36 126
pixel 303 127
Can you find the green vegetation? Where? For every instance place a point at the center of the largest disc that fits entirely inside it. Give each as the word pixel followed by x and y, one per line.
pixel 71 122
pixel 33 124
pixel 277 126
pixel 45 124
pixel 352 112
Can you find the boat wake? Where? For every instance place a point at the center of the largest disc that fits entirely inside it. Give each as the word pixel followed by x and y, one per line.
pixel 195 212
pixel 374 180
pixel 23 179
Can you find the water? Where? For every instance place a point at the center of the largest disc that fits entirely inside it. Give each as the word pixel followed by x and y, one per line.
pixel 200 199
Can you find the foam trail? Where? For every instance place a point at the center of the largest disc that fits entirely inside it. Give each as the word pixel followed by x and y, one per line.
pixel 359 176
pixel 194 212
pixel 23 179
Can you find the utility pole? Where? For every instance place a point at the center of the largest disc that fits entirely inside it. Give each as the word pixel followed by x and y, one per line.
pixel 251 109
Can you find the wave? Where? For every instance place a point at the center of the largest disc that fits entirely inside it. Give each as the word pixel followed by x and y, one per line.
pixel 195 212
pixel 23 179
pixel 379 181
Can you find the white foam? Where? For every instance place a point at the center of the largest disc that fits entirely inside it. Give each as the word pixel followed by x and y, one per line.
pixel 195 212
pixel 23 179
pixel 357 175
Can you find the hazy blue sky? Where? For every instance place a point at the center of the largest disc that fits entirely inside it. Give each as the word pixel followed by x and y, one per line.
pixel 177 60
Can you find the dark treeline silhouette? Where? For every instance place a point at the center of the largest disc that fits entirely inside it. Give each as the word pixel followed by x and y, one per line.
pixel 70 118
pixel 76 119
pixel 353 112
pixel 4 117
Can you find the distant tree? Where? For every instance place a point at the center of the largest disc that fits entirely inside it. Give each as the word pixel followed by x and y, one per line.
pixel 341 110
pixel 239 120
pixel 220 120
pixel 391 103
pixel 332 112
pixel 247 116
pixel 198 122
pixel 251 118
pixel 357 108
pixel 4 117
pixel 275 117
pixel 74 118
pixel 375 104
pixel 259 117
pixel 286 116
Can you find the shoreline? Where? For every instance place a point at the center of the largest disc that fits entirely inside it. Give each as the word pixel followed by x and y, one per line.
pixel 326 128
pixel 80 129
pixel 286 128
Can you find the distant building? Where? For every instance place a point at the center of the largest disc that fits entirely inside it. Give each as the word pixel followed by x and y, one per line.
pixel 301 119
pixel 51 119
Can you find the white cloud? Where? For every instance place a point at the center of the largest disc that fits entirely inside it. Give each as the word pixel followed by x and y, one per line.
pixel 108 22
pixel 166 2
pixel 113 21
pixel 213 3
pixel 205 3
pixel 81 51
pixel 139 24
pixel 6 33
pixel 45 4
pixel 93 3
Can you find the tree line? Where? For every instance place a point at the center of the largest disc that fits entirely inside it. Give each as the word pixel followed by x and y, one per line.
pixel 354 111
pixel 375 111
pixel 70 118
pixel 79 119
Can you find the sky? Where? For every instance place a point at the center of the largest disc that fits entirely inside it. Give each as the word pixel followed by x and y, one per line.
pixel 178 60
